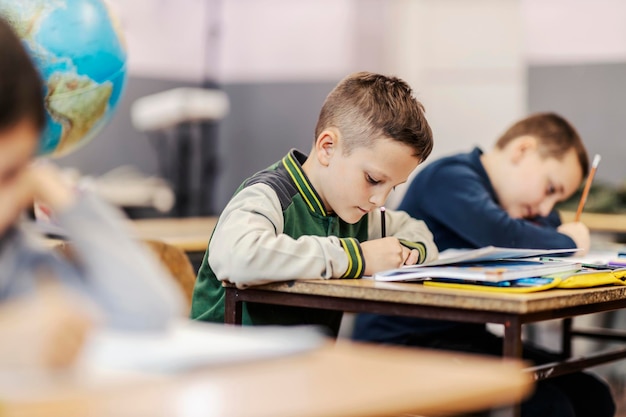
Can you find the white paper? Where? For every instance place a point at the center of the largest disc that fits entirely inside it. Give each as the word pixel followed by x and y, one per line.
pixel 190 344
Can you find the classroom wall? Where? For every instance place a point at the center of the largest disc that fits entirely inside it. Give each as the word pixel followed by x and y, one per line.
pixel 477 66
pixel 593 97
pixel 465 62
pixel 577 66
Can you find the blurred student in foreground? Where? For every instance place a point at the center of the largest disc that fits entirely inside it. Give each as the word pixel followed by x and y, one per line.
pixel 46 302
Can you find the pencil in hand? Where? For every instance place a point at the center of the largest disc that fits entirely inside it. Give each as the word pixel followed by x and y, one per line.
pixel 583 197
pixel 383 226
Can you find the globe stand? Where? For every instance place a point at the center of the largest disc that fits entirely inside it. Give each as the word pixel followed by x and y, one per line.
pixel 187 113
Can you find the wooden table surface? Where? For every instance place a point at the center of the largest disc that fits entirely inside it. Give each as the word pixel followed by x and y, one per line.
pixel 418 294
pixel 342 380
pixel 599 222
pixel 190 234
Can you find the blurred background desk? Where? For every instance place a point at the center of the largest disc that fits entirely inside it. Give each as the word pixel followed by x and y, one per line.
pixel 599 222
pixel 191 234
pixel 342 380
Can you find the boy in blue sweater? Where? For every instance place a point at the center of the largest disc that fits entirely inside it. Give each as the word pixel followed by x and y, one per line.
pixel 504 197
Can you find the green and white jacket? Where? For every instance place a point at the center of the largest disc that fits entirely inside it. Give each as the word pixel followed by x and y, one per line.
pixel 275 228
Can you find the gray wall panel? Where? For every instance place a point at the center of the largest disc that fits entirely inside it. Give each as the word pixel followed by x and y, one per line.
pixel 593 97
pixel 265 121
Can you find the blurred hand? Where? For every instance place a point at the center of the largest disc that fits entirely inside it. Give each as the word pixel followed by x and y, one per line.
pixel 16 194
pixel 386 253
pixel 43 330
pixel 40 181
pixel 50 187
pixel 579 234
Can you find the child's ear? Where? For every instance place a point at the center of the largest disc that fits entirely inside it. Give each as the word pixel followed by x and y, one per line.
pixel 326 145
pixel 522 146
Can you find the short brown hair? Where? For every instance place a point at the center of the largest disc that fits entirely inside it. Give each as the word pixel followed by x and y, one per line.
pixel 365 105
pixel 556 137
pixel 21 89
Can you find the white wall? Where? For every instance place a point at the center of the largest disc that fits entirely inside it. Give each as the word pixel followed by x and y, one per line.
pixel 465 61
pixel 278 40
pixel 250 40
pixel 574 31
pixel 287 40
pixel 170 38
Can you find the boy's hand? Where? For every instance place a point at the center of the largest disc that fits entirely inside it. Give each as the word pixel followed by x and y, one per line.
pixel 15 195
pixel 50 187
pixel 386 253
pixel 579 234
pixel 44 330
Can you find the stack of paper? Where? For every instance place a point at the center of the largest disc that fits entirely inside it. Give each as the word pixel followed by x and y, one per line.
pixel 491 264
pixel 189 344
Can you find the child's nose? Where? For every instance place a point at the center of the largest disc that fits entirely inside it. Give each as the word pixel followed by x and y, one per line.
pixel 545 207
pixel 379 199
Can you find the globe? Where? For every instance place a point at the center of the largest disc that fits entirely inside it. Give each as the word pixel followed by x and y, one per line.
pixel 79 50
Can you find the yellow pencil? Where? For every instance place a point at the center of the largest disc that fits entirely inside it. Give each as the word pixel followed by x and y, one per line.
pixel 583 198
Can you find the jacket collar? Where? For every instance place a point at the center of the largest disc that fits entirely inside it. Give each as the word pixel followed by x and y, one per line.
pixel 293 164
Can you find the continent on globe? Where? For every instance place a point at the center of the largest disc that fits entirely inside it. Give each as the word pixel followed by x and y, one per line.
pixel 79 115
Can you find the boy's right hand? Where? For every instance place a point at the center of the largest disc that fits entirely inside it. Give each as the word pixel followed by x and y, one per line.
pixel 50 187
pixel 579 234
pixel 386 253
pixel 44 330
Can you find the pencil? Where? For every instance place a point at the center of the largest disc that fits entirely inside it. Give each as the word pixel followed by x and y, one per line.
pixel 383 226
pixel 583 197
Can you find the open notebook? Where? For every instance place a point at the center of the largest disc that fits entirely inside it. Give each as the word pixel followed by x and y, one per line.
pixel 190 344
pixel 490 253
pixel 491 264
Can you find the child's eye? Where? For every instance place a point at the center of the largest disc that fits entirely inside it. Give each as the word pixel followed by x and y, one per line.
pixel 371 180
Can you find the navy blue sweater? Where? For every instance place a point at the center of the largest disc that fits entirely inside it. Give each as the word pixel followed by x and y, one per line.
pixel 455 198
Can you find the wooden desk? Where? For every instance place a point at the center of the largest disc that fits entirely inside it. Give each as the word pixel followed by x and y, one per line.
pixel 415 300
pixel 190 234
pixel 599 222
pixel 343 380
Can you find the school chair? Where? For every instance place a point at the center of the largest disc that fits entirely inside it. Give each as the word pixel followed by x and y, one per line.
pixel 178 264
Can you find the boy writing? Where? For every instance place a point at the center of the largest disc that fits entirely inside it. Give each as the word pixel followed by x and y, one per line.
pixel 316 216
pixel 43 324
pixel 504 197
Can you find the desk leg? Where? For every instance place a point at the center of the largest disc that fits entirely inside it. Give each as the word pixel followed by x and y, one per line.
pixel 512 348
pixel 512 339
pixel 566 337
pixel 232 306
